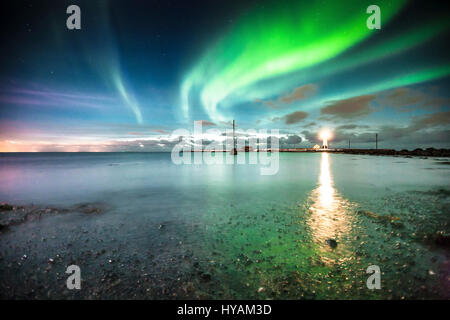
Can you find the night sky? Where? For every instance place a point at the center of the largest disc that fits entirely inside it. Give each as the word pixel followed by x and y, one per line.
pixel 137 70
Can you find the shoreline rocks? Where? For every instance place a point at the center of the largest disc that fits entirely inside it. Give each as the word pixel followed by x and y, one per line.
pixel 14 215
pixel 429 152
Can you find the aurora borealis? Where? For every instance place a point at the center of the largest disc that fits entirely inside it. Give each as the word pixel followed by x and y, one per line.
pixel 135 72
pixel 288 39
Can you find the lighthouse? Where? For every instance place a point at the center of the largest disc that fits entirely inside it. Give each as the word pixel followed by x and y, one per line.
pixel 325 143
pixel 325 135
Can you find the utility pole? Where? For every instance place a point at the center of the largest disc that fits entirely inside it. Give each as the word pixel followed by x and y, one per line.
pixel 376 141
pixel 234 151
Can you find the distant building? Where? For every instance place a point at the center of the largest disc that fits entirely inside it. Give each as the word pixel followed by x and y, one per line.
pixel 316 146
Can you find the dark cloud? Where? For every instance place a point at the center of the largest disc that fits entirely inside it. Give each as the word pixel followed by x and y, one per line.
pixel 432 120
pixel 349 108
pixel 309 125
pixel 299 93
pixel 269 103
pixel 351 126
pixel 406 99
pixel 421 132
pixel 292 140
pixel 310 136
pixel 292 118
pixel 402 99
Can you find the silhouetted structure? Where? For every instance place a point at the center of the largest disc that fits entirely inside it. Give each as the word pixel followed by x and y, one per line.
pixel 325 142
pixel 234 150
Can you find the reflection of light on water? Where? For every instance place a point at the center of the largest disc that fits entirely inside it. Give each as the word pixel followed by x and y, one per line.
pixel 329 218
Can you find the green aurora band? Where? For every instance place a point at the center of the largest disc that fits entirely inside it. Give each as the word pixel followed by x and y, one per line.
pixel 287 39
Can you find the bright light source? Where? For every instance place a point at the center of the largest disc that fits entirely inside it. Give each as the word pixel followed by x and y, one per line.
pixel 325 134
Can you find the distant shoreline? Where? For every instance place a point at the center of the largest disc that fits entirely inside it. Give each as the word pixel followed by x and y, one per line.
pixel 429 152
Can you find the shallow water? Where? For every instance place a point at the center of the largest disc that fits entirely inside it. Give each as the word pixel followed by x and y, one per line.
pixel 225 231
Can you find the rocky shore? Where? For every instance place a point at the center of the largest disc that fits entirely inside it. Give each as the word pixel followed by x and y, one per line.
pixel 429 152
pixel 407 245
pixel 418 152
pixel 17 214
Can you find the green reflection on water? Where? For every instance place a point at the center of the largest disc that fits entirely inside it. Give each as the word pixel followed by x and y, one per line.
pixel 282 246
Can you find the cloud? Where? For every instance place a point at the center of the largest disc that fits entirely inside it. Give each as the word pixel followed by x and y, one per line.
pixel 432 120
pixel 349 108
pixel 162 131
pixel 207 123
pixel 269 103
pixel 402 98
pixel 292 139
pixel 309 125
pixel 226 123
pixel 299 93
pixel 428 130
pixel 421 132
pixel 292 118
pixel 420 129
pixel 406 99
pixel 351 126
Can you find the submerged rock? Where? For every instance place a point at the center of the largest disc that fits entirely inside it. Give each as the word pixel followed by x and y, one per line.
pixel 385 218
pixel 442 240
pixel 206 277
pixel 89 208
pixel 332 243
pixel 15 215
pixel 6 207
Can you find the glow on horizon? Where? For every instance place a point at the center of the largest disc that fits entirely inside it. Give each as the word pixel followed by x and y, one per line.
pixel 35 143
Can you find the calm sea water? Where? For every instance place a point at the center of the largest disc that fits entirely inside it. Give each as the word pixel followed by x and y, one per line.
pixel 225 231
